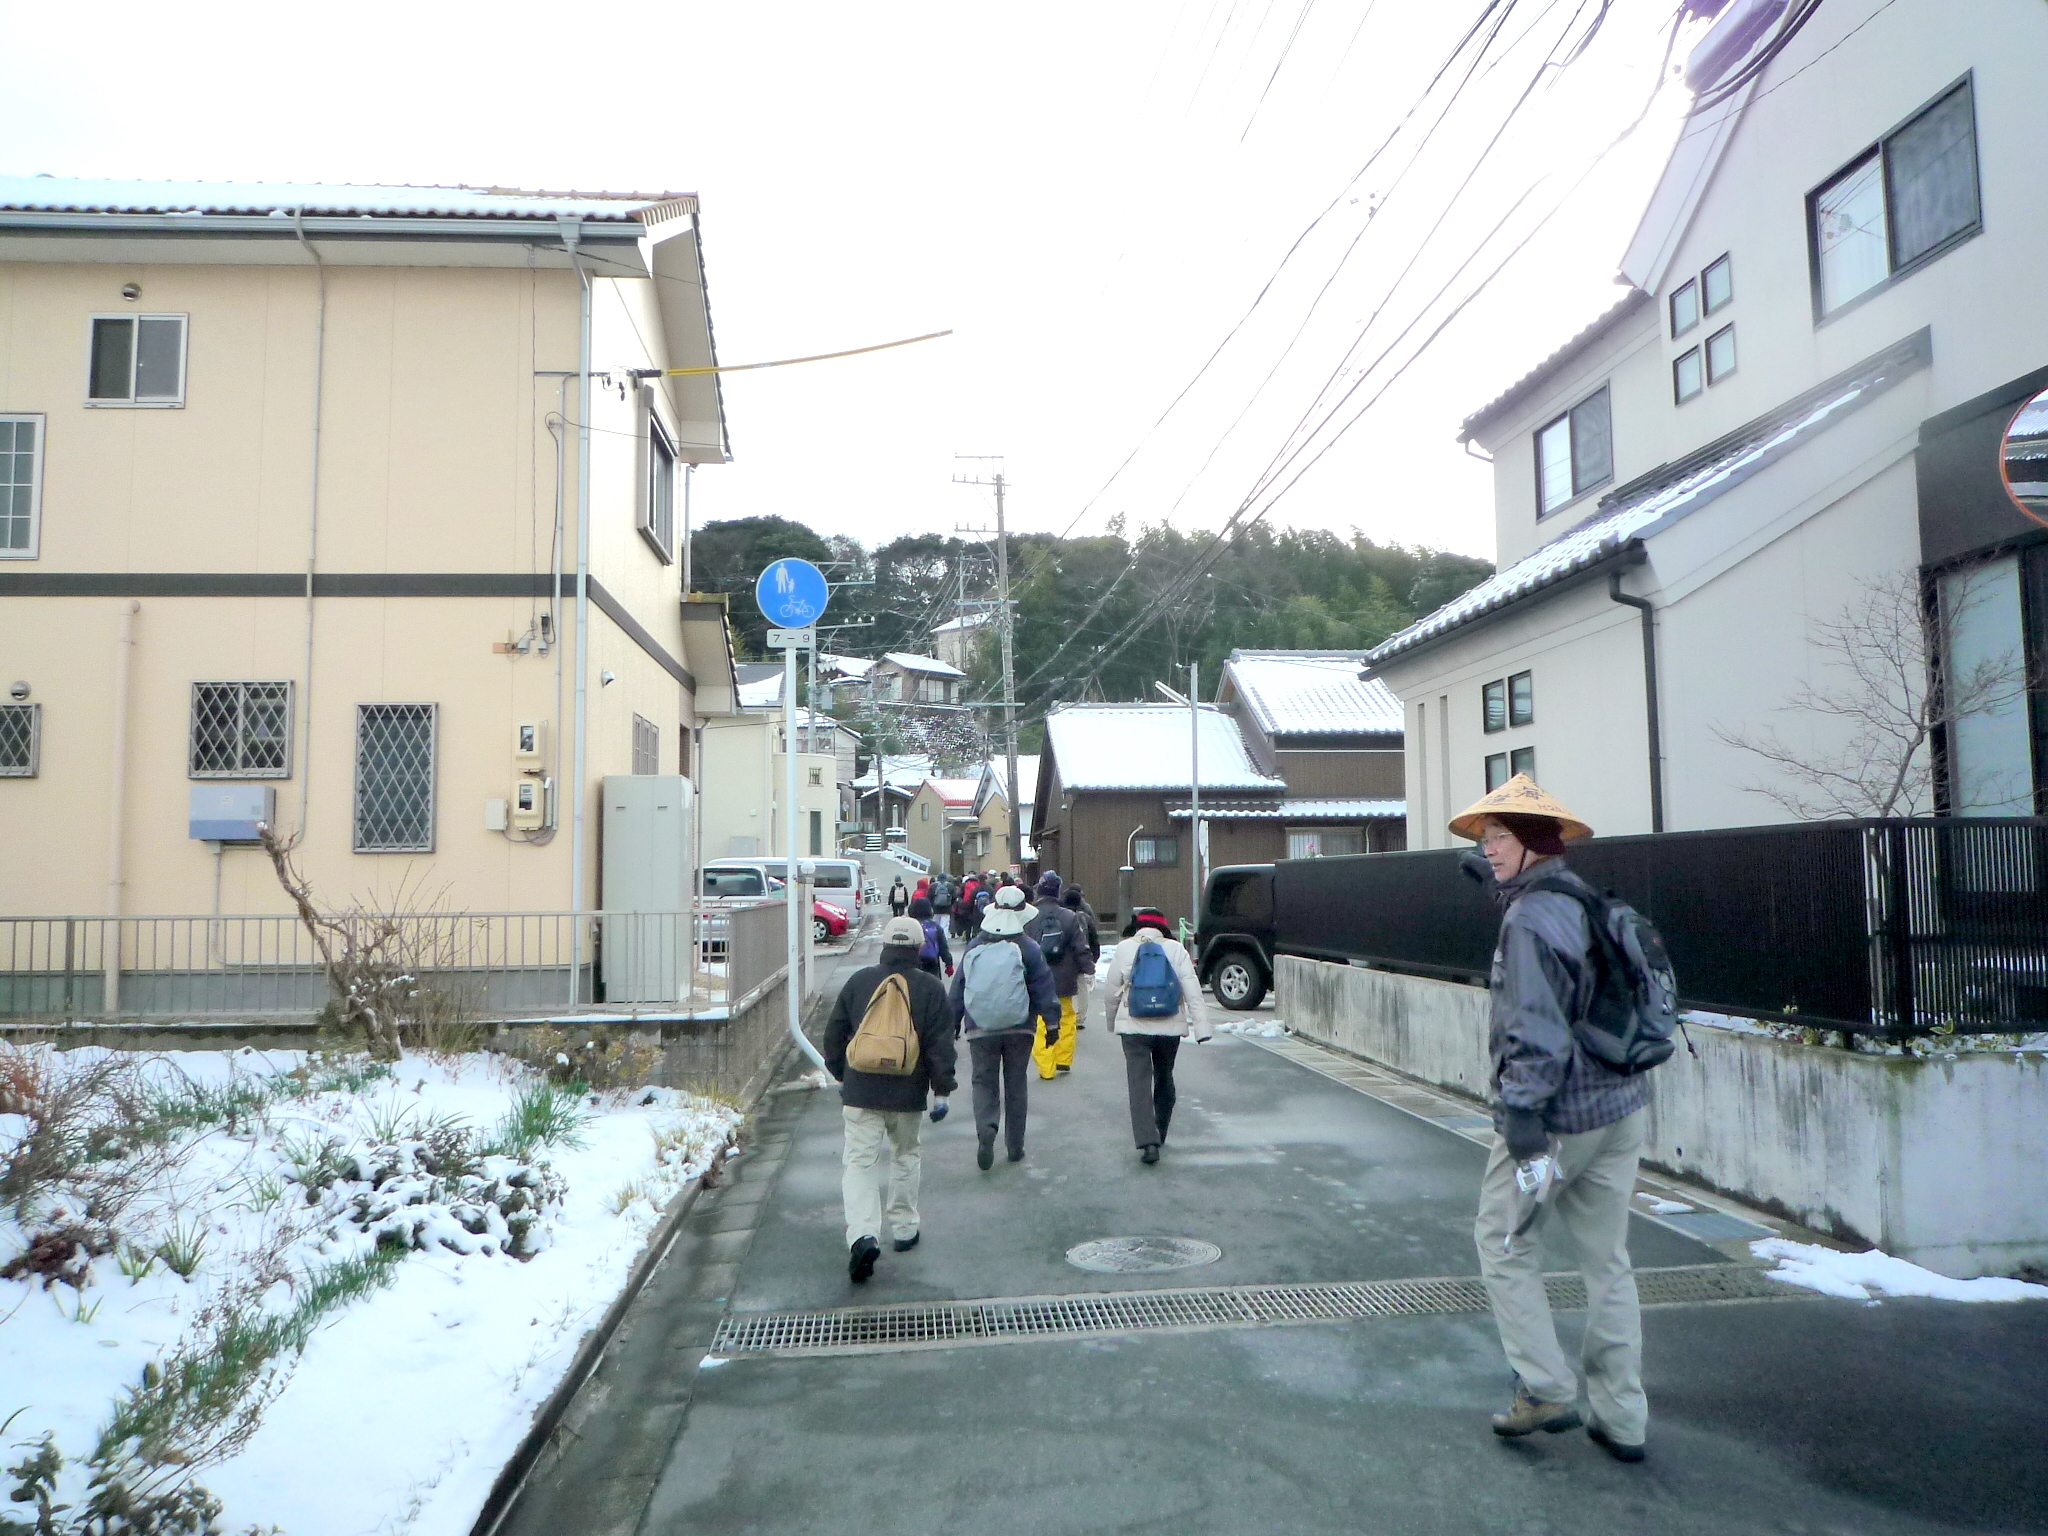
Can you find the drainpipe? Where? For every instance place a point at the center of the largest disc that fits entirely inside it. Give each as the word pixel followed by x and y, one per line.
pixel 312 519
pixel 1655 729
pixel 117 808
pixel 572 237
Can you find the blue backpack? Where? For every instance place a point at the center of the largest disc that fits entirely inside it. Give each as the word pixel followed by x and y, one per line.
pixel 1155 990
pixel 929 950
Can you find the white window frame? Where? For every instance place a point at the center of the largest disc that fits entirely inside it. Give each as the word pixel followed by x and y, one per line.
pixel 291 706
pixel 154 402
pixel 433 777
pixel 35 742
pixel 658 496
pixel 35 493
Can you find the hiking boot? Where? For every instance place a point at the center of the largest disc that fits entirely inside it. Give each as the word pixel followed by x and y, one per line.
pixel 905 1244
pixel 985 1153
pixel 1619 1450
pixel 1526 1415
pixel 1149 1153
pixel 860 1259
pixel 1061 1071
pixel 1016 1154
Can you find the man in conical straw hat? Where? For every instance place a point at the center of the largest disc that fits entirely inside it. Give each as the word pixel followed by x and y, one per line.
pixel 1552 1100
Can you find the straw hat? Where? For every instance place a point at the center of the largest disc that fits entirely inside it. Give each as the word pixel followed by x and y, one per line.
pixel 1518 797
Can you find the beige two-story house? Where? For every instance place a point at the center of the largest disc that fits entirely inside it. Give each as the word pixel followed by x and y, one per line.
pixel 353 509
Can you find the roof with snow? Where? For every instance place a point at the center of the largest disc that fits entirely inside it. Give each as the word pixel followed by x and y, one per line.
pixel 846 666
pixel 906 772
pixel 965 621
pixel 282 200
pixel 1313 693
pixel 1646 506
pixel 1146 746
pixel 994 779
pixel 1293 810
pixel 911 663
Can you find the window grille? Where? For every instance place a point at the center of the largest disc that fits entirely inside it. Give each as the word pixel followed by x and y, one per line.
pixel 646 745
pixel 241 731
pixel 394 810
pixel 20 481
pixel 137 360
pixel 21 739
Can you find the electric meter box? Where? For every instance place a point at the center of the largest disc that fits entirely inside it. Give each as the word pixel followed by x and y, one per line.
pixel 528 808
pixel 231 813
pixel 529 742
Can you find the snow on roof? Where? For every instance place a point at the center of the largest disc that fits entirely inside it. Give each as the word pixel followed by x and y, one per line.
pixel 67 194
pixel 965 621
pixel 1145 746
pixel 1648 505
pixel 1293 810
pixel 910 663
pixel 761 692
pixel 907 772
pixel 1314 693
pixel 995 780
pixel 954 791
pixel 849 666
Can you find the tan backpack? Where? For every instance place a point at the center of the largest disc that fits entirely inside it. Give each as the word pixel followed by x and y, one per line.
pixel 885 1044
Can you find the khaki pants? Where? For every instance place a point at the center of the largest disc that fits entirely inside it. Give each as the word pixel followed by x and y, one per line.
pixel 1060 1053
pixel 868 1133
pixel 1591 1207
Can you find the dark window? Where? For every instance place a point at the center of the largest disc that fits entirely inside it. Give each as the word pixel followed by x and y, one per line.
pixel 733 882
pixel 394 810
pixel 1685 307
pixel 1686 381
pixel 1720 354
pixel 1156 852
pixel 1496 771
pixel 1574 453
pixel 1897 205
pixel 1521 699
pixel 1249 897
pixel 1717 285
pixel 1522 760
pixel 137 360
pixel 241 731
pixel 657 520
pixel 1496 695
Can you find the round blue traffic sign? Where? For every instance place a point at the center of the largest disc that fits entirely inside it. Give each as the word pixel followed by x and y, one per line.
pixel 791 593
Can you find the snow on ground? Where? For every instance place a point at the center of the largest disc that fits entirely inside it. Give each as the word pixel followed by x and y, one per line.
pixel 407 1401
pixel 1662 1207
pixel 1259 1029
pixel 1870 1275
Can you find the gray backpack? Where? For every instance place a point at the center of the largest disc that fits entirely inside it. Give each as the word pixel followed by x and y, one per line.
pixel 992 989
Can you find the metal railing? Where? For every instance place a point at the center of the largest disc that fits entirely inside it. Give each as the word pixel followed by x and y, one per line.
pixel 502 964
pixel 1893 927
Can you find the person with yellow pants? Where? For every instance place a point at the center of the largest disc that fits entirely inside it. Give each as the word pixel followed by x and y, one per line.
pixel 1063 939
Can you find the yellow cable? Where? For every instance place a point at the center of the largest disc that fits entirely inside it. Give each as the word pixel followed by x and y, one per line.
pixel 822 357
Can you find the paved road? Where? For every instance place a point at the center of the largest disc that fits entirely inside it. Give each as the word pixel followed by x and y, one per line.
pixel 1795 1416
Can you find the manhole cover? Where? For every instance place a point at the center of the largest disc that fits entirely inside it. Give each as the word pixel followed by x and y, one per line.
pixel 1141 1255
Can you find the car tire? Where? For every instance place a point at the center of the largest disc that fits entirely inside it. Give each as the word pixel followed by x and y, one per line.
pixel 1239 981
pixel 820 932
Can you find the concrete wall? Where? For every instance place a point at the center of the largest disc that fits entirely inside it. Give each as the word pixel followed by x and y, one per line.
pixel 1943 1162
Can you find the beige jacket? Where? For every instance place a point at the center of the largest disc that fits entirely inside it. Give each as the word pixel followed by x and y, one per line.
pixel 1194 1009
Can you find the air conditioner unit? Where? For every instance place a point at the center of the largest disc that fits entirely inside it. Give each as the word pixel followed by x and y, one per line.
pixel 231 813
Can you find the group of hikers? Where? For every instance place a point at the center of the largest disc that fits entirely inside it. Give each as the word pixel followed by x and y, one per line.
pixel 1581 1007
pixel 959 902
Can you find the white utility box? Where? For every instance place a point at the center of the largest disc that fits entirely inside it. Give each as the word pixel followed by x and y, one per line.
pixel 648 827
pixel 529 743
pixel 231 813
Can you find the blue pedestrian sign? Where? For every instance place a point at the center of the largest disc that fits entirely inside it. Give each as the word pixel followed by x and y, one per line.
pixel 791 593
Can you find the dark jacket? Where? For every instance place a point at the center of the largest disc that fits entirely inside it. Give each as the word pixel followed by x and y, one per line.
pixel 944 963
pixel 1542 982
pixel 1091 923
pixel 935 1050
pixel 1079 960
pixel 1045 1000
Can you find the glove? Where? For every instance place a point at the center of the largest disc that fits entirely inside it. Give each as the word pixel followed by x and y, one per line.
pixel 939 1108
pixel 1523 1131
pixel 949 970
pixel 1052 1035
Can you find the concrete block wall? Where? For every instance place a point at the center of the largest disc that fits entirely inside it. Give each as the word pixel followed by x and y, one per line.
pixel 1943 1162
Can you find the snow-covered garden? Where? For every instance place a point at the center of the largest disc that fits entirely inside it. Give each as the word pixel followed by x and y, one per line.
pixel 318 1293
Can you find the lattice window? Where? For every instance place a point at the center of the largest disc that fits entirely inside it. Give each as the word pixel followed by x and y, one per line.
pixel 646 745
pixel 394 810
pixel 241 731
pixel 21 739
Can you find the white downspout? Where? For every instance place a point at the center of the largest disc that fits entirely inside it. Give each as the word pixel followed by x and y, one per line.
pixel 117 808
pixel 312 522
pixel 572 237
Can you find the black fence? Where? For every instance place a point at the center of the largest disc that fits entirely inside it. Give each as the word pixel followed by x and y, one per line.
pixel 1894 927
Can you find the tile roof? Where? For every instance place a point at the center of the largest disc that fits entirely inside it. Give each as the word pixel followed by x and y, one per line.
pixel 1646 506
pixel 1313 693
pixel 955 791
pixel 1146 746
pixel 1292 810
pixel 67 194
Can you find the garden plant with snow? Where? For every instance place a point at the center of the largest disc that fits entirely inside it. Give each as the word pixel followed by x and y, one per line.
pixel 211 1262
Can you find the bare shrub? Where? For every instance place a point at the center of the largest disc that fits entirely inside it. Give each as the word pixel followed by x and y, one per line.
pixel 591 1059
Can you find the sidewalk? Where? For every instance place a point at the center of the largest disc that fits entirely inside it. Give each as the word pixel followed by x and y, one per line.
pixel 1795 1414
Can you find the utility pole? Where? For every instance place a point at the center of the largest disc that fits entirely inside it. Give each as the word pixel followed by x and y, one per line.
pixel 1006 631
pixel 1194 797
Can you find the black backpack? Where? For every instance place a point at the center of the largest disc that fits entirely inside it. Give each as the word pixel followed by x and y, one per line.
pixel 1050 930
pixel 1632 1020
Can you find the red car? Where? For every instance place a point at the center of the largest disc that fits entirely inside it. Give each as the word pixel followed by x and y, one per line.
pixel 827 921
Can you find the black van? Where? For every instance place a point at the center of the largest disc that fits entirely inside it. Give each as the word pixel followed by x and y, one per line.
pixel 1234 938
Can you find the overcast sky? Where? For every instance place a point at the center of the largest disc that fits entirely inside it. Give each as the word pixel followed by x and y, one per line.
pixel 1089 195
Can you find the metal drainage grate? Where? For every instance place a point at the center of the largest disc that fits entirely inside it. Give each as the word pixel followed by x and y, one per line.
pixel 941 1325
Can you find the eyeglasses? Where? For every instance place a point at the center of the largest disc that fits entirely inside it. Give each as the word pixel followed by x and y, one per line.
pixel 1497 838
